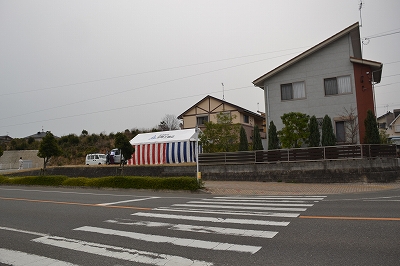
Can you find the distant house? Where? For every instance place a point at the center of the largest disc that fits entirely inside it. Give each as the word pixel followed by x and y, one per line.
pixel 385 120
pixel 38 136
pixel 206 110
pixel 393 131
pixel 5 139
pixel 327 79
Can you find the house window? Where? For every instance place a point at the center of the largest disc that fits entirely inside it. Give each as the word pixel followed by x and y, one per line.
pixel 340 132
pixel 382 125
pixel 246 119
pixel 397 128
pixel 201 120
pixel 338 85
pixel 291 91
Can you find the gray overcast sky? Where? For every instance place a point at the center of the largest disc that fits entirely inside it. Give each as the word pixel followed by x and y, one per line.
pixel 107 66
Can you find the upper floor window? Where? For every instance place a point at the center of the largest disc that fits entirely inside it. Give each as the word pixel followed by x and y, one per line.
pixel 201 120
pixel 295 90
pixel 246 119
pixel 337 85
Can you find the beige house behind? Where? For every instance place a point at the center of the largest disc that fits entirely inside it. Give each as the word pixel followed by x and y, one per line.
pixel 206 110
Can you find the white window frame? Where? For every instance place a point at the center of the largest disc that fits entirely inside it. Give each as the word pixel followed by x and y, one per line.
pixel 297 91
pixel 341 85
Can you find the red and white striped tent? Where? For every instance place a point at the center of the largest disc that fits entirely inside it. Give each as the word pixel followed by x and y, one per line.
pixel 177 146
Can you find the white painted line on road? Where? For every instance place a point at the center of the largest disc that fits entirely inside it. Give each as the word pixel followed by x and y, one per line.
pixel 253 204
pixel 21 231
pixel 230 212
pixel 125 201
pixel 127 254
pixel 256 200
pixel 18 258
pixel 242 208
pixel 185 242
pixel 209 219
pixel 200 229
pixel 277 198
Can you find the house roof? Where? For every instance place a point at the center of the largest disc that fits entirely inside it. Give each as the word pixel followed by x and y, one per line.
pixel 394 120
pixel 165 136
pixel 354 32
pixel 382 116
pixel 38 135
pixel 240 109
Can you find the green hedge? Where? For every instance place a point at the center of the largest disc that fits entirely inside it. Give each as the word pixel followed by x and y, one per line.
pixel 155 183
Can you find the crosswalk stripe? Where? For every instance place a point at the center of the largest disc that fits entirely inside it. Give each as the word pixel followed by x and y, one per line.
pixel 253 204
pixel 210 219
pixel 240 207
pixel 125 201
pixel 18 258
pixel 230 212
pixel 186 242
pixel 255 200
pixel 277 198
pixel 119 252
pixel 201 229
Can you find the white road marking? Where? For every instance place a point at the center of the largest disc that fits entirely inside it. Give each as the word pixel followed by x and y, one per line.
pixel 21 231
pixel 185 242
pixel 210 219
pixel 125 201
pixel 201 229
pixel 18 258
pixel 277 198
pixel 243 208
pixel 256 200
pixel 252 204
pixel 231 212
pixel 119 252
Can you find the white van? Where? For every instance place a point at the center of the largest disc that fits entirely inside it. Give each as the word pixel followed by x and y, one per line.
pixel 95 159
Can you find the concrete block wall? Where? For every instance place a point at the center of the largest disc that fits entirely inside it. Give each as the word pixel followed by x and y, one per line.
pixel 335 171
pixel 10 159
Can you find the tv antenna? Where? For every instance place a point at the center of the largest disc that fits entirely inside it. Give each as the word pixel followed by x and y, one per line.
pixel 360 6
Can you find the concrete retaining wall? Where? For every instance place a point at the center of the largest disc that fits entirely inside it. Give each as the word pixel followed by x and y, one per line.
pixel 360 170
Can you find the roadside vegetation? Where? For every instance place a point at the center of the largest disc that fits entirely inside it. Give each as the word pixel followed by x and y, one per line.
pixel 125 182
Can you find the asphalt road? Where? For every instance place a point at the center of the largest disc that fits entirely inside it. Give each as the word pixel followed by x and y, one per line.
pixel 57 226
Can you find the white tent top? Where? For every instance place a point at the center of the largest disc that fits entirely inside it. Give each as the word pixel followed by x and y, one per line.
pixel 165 136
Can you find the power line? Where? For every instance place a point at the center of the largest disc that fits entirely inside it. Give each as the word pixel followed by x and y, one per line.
pixel 123 107
pixel 142 87
pixel 148 72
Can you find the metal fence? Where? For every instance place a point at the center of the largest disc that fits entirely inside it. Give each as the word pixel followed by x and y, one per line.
pixel 303 154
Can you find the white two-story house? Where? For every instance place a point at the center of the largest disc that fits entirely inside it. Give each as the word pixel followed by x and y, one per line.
pixel 327 79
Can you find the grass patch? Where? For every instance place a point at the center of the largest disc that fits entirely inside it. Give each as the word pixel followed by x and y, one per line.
pixel 136 182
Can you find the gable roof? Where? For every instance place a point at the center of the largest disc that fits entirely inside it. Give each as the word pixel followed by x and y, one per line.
pixel 382 116
pixel 240 109
pixel 165 136
pixel 354 32
pixel 394 120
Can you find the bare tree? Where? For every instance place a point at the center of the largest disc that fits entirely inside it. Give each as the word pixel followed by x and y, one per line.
pixel 350 118
pixel 169 122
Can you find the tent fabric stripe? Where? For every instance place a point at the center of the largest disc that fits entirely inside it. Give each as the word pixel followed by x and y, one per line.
pixel 160 153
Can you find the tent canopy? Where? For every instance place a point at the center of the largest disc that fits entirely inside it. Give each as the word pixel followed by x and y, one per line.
pixel 165 137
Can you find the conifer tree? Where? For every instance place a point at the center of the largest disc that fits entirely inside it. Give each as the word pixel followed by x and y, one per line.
pixel 371 129
pixel 314 138
pixel 257 144
pixel 328 137
pixel 273 140
pixel 244 144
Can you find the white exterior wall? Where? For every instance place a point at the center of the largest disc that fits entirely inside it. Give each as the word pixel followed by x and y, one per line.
pixel 331 61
